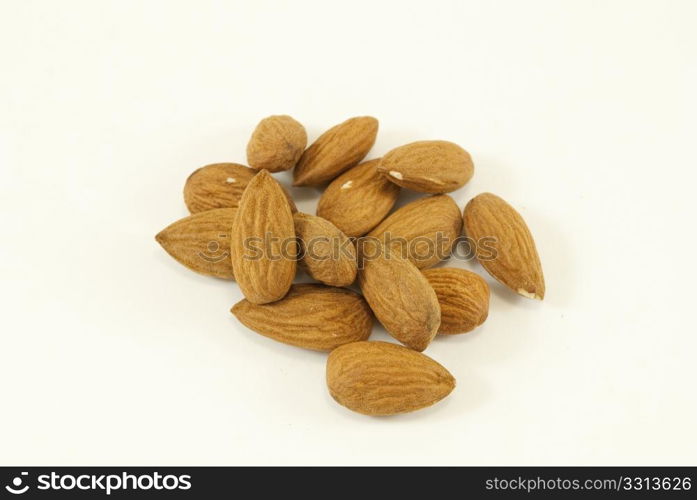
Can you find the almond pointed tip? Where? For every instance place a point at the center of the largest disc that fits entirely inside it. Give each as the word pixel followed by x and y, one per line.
pixel 530 295
pixel 300 180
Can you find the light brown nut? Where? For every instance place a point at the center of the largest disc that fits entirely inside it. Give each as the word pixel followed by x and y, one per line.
pixel 328 255
pixel 311 316
pixel 263 243
pixel 276 144
pixel 358 200
pixel 219 185
pixel 428 166
pixel 424 230
pixel 379 378
pixel 401 299
pixel 505 247
pixel 338 149
pixel 463 297
pixel 201 242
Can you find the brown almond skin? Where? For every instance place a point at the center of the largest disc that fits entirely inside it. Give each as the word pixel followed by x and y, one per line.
pixel 276 144
pixel 310 316
pixel 264 222
pixel 401 299
pixel 417 224
pixel 428 166
pixel 379 378
pixel 201 242
pixel 358 200
pixel 463 297
pixel 328 255
pixel 335 151
pixel 219 185
pixel 514 261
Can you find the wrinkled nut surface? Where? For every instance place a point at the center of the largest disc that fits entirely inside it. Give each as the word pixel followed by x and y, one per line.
pixel 424 231
pixel 505 247
pixel 338 149
pixel 401 299
pixel 327 254
pixel 201 242
pixel 358 200
pixel 311 316
pixel 276 144
pixel 219 185
pixel 263 243
pixel 428 166
pixel 463 297
pixel 379 378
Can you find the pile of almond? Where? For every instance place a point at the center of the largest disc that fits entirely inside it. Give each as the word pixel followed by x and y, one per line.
pixel 244 226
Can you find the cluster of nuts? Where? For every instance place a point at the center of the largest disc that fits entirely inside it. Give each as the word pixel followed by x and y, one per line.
pixel 247 214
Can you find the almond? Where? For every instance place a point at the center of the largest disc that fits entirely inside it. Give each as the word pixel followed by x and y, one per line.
pixel 379 378
pixel 312 316
pixel 201 242
pixel 428 166
pixel 263 243
pixel 328 255
pixel 276 144
pixel 423 231
pixel 358 200
pixel 401 298
pixel 463 297
pixel 338 149
pixel 505 247
pixel 219 185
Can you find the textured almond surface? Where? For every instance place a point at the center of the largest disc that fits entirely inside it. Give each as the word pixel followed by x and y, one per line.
pixel 463 297
pixel 414 230
pixel 327 254
pixel 276 144
pixel 428 166
pixel 263 241
pixel 401 298
pixel 358 200
pixel 201 242
pixel 338 149
pixel 378 378
pixel 312 316
pixel 515 262
pixel 219 185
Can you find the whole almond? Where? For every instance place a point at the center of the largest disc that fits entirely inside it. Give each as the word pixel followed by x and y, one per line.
pixel 328 255
pixel 401 298
pixel 263 243
pixel 276 144
pixel 379 378
pixel 201 242
pixel 338 149
pixel 505 247
pixel 428 166
pixel 312 316
pixel 463 297
pixel 358 200
pixel 424 231
pixel 219 185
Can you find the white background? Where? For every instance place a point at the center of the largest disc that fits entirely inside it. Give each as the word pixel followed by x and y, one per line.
pixel 579 113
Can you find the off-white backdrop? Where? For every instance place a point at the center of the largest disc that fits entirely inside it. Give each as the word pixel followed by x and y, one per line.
pixel 581 114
